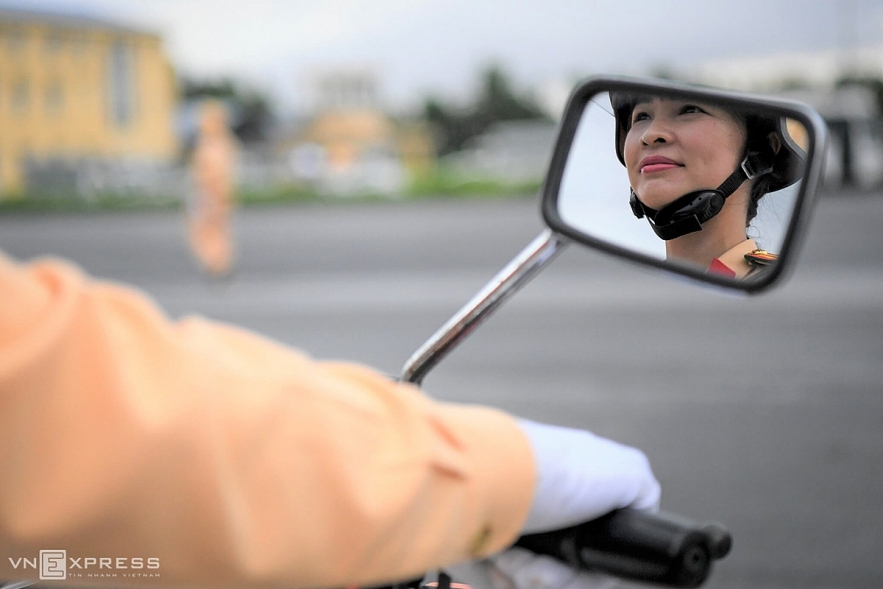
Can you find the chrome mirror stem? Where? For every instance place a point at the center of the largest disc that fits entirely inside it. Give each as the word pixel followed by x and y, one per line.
pixel 507 282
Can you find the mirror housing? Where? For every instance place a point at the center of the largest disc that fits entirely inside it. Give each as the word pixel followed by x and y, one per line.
pixel 586 193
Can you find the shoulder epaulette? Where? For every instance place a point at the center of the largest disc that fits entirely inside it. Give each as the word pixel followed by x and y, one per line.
pixel 761 257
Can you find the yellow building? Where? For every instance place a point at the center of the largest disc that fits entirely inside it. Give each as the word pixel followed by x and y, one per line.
pixel 351 145
pixel 75 89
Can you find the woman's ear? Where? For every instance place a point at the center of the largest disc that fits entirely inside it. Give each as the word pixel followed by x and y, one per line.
pixel 775 142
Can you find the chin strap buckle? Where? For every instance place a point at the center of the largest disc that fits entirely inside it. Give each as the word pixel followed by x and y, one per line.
pixel 756 164
pixel 638 208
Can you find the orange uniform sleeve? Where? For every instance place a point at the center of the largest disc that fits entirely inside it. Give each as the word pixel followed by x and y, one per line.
pixel 221 458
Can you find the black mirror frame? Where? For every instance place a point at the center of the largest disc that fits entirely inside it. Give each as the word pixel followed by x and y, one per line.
pixel 818 144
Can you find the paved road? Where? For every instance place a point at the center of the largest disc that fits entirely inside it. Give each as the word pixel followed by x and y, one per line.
pixel 766 414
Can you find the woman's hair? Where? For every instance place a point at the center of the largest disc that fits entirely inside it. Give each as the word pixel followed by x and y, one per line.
pixel 758 130
pixel 759 189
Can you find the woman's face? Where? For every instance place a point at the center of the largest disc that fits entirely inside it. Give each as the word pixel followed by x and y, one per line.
pixel 675 147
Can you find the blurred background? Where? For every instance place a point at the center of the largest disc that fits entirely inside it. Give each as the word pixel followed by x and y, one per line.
pixel 389 155
pixel 396 98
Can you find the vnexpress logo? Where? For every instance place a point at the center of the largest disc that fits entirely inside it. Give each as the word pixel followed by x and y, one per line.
pixel 56 565
pixel 53 565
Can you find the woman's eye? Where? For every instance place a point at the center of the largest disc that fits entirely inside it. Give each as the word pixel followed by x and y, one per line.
pixel 690 108
pixel 639 116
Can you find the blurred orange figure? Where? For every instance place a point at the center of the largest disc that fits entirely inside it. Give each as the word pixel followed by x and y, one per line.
pixel 211 205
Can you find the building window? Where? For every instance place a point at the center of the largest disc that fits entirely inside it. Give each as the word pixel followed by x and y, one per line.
pixel 54 98
pixel 53 42
pixel 21 97
pixel 121 84
pixel 16 39
pixel 79 44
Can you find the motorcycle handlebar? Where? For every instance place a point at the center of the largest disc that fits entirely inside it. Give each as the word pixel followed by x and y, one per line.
pixel 659 548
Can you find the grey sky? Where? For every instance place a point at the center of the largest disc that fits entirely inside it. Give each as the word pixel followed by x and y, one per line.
pixel 422 47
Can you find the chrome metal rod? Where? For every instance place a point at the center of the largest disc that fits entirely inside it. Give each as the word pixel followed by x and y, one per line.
pixel 516 274
pixel 16 584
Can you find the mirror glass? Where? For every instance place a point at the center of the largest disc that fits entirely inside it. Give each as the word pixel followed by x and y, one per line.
pixel 656 150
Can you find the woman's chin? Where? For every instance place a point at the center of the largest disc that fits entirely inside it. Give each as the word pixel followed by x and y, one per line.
pixel 658 201
pixel 656 193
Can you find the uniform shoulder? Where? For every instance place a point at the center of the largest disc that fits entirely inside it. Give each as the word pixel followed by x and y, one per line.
pixel 760 257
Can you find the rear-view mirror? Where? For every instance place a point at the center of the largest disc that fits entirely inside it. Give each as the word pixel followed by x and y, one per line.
pixel 711 184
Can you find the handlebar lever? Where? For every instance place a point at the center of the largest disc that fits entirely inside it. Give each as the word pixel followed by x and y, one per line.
pixel 659 548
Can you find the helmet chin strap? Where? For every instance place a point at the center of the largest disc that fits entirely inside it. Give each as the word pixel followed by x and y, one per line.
pixel 687 213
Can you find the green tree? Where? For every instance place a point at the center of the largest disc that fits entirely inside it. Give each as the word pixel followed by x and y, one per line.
pixel 497 101
pixel 874 84
pixel 253 112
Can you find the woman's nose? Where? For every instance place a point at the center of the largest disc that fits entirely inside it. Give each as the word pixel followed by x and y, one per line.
pixel 658 131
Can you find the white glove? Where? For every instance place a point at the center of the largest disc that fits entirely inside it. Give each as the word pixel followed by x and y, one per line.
pixel 519 568
pixel 581 476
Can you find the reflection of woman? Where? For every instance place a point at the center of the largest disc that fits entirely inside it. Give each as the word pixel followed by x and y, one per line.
pixel 209 212
pixel 697 172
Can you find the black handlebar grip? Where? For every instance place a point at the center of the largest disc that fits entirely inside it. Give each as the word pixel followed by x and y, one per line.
pixel 658 548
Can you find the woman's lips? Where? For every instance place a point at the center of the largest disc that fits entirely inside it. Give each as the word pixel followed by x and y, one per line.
pixel 656 163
